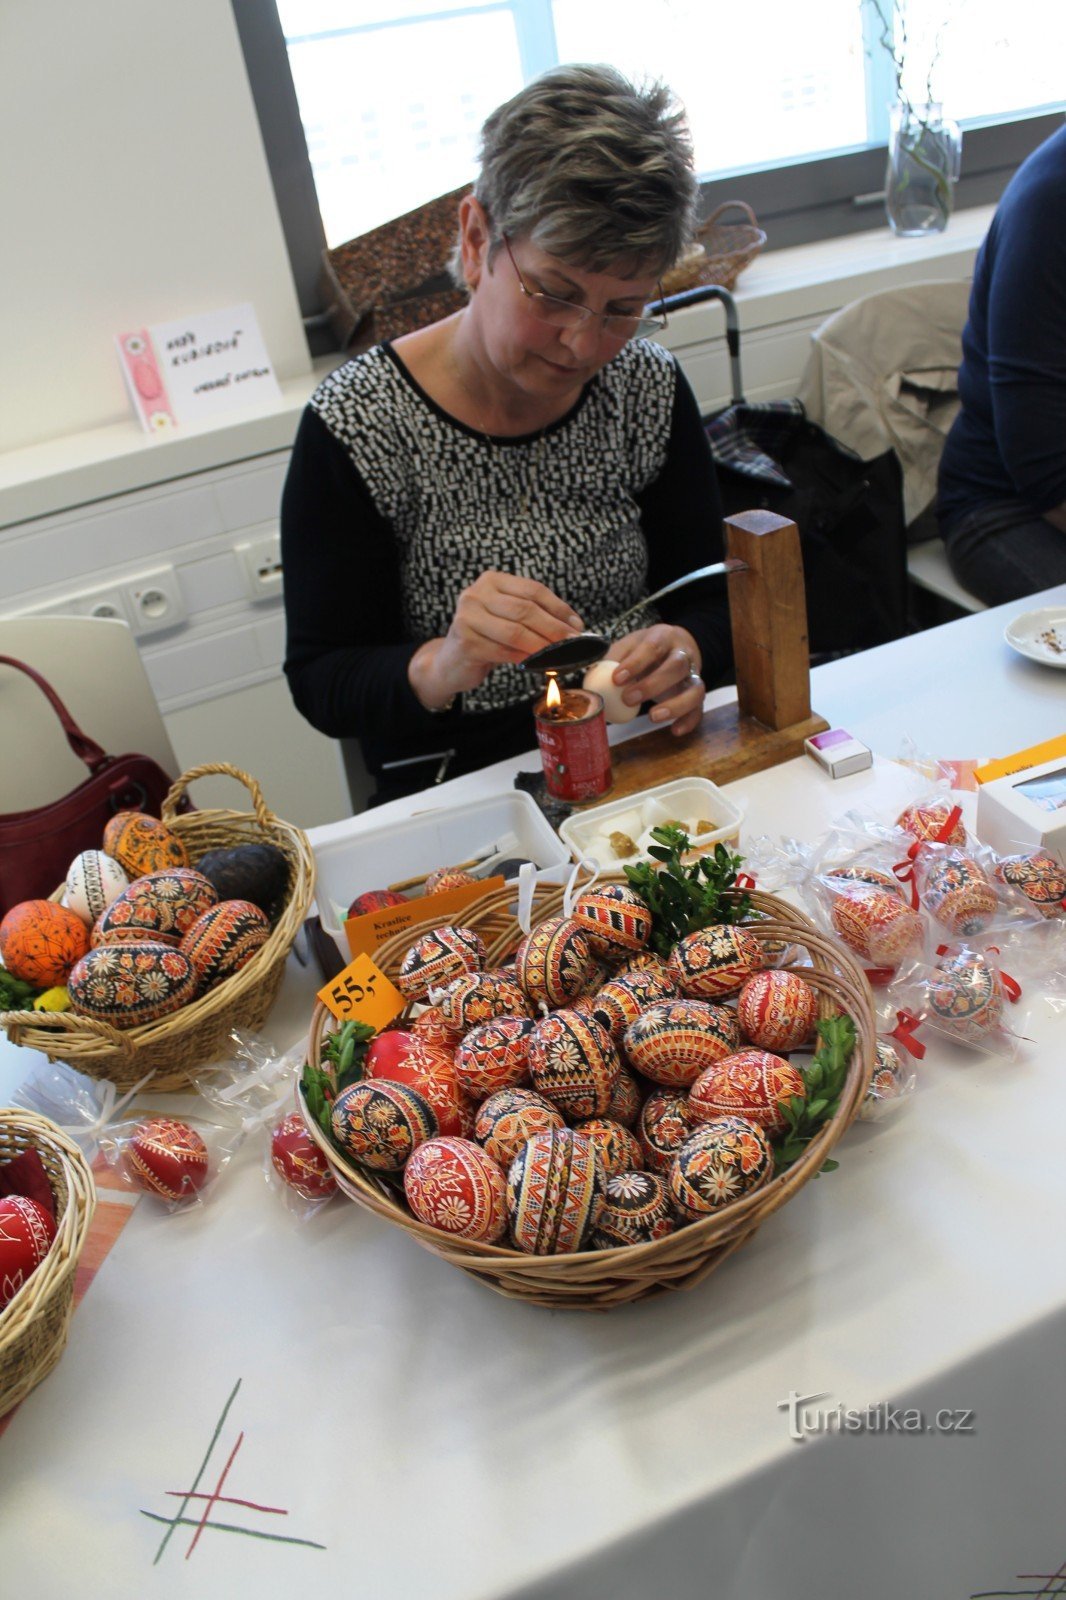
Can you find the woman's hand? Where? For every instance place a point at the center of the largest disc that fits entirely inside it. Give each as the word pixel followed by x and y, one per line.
pixel 498 618
pixel 662 663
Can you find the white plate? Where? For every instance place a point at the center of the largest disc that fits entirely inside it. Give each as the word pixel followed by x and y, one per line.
pixel 1040 635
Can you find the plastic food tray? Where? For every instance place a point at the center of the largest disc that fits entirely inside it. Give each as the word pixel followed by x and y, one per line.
pixel 686 800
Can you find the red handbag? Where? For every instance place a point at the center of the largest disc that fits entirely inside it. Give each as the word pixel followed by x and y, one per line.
pixel 37 847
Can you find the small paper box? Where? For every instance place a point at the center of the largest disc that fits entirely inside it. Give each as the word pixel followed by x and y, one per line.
pixel 839 752
pixel 1024 810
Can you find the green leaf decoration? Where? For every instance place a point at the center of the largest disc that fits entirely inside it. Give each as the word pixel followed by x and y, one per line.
pixel 824 1078
pixel 683 898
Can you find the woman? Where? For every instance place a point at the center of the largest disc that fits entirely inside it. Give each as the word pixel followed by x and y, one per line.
pixel 519 471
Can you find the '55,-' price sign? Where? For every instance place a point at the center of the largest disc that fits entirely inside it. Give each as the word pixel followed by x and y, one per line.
pixel 362 993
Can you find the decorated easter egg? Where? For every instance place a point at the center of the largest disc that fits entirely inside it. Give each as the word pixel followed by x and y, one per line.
pixel 168 1158
pixel 127 984
pixel 256 872
pixel 478 997
pixel 93 881
pixel 298 1161
pixel 712 963
pixel 888 1082
pixel 430 1070
pixel 722 1161
pixel 863 872
pixel 777 1010
pixel 752 1084
pixel 621 1000
pixel 494 1055
pixel 674 1040
pixel 617 1150
pixel 431 1026
pixel 664 1124
pixel 387 1049
pixel 626 1099
pixel 26 1233
pixel 380 1123
pixel 1039 876
pixel 224 939
pixel 555 1192
pixel 636 1210
pixel 454 1185
pixel 649 961
pixel 161 905
pixel 573 1063
pixel 877 925
pixel 933 822
pixel 437 958
pixel 442 879
pixel 615 920
pixel 40 942
pixel 375 900
pixel 958 894
pixel 143 844
pixel 966 998
pixel 511 1116
pixel 554 964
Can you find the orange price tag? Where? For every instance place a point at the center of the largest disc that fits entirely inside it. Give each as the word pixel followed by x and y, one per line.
pixel 362 993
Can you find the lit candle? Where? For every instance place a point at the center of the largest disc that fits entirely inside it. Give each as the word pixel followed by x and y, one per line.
pixel 572 736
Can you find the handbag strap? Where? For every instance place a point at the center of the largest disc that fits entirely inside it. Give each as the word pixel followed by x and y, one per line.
pixel 84 748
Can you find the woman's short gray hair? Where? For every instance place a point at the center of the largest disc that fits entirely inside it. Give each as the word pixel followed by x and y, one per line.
pixel 592 168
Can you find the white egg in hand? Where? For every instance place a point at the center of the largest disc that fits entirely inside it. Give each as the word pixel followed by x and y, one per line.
pixel 598 680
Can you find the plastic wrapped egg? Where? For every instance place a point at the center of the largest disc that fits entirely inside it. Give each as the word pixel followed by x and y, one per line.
pixel 494 1055
pixel 615 920
pixel 298 1161
pixel 437 958
pixel 932 823
pixel 168 1158
pixel 674 1040
pixel 455 1186
pixel 479 997
pixel 131 983
pixel 573 1063
pixel 966 998
pixel 26 1233
pixel 1039 876
pixel 93 881
pixel 224 939
pixel 555 1192
pixel 636 1210
pixel 380 1123
pixel 40 942
pixel 161 905
pixel 873 877
pixel 664 1125
pixel 777 1010
pixel 958 894
pixel 599 678
pixel 752 1084
pixel 510 1117
pixel 888 1083
pixel 617 1150
pixel 721 1162
pixel 878 926
pixel 142 844
pixel 554 963
pixel 712 963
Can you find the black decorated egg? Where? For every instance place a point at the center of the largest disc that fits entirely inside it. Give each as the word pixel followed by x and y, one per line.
pixel 712 963
pixel 142 844
pixel 437 958
pixel 636 1210
pixel 130 983
pixel 380 1123
pixel 94 880
pixel 161 905
pixel 494 1055
pixel 573 1063
pixel 966 998
pixel 958 894
pixel 554 963
pixel 224 938
pixel 555 1193
pixel 617 1150
pixel 479 997
pixel 626 1099
pixel 621 1000
pixel 511 1116
pixel 721 1162
pixel 752 1084
pixel 665 1123
pixel 674 1040
pixel 255 872
pixel 888 1083
pixel 616 921
pixel 777 1010
pixel 877 925
pixel 1039 876
pixel 455 1186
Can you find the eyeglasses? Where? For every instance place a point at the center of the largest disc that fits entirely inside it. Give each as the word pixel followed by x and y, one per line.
pixel 569 314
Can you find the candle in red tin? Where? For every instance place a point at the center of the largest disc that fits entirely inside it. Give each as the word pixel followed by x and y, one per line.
pixel 572 735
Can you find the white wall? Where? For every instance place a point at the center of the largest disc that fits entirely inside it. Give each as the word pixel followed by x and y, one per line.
pixel 133 189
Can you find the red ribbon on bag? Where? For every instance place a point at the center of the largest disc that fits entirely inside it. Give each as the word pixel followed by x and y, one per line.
pixel 904 1031
pixel 745 881
pixel 904 870
pixel 1011 985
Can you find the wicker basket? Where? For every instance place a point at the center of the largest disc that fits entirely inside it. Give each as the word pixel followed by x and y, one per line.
pixel 34 1325
pixel 176 1045
pixel 720 252
pixel 599 1279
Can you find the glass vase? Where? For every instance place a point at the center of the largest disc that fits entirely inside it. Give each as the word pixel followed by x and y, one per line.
pixel 924 155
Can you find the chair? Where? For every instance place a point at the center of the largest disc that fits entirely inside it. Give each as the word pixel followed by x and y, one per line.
pixel 95 667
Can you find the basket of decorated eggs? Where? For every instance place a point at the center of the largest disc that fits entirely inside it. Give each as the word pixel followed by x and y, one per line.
pixel 46 1206
pixel 162 941
pixel 578 1119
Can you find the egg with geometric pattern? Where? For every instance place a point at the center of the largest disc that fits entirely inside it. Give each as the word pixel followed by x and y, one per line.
pixel 615 920
pixel 777 1010
pixel 719 1163
pixel 224 939
pixel 616 1148
pixel 621 1000
pixel 479 997
pixel 627 1097
pixel 168 1158
pixel 888 1083
pixel 674 1040
pixel 298 1161
pixel 555 1192
pixel 437 958
pixel 933 822
pixel 40 942
pixel 26 1234
pixel 494 1055
pixel 752 1084
pixel 508 1118
pixel 142 844
pixel 636 1210
pixel 455 1186
pixel 878 926
pixel 573 1063
pixel 430 1071
pixel 1039 876
pixel 94 880
pixel 665 1123
pixel 713 962
pixel 554 963
pixel 966 998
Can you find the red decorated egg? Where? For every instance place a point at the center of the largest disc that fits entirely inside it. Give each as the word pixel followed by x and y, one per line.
pixel 93 881
pixel 665 1123
pixel 443 879
pixel 958 894
pixel 494 1055
pixel 40 942
pixel 375 900
pixel 621 1000
pixel 431 1026
pixel 877 925
pixel 713 962
pixel 636 1210
pixel 888 1082
pixel 1039 876
pixel 936 822
pixel 626 1099
pixel 777 1010
pixel 721 1162
pixel 380 1123
pixel 26 1234
pixel 554 1193
pixel 454 1185
pixel 966 997
pixel 873 877
pixel 168 1158
pixel 511 1116
pixel 143 844
pixel 615 920
pixel 438 958
pixel 298 1161
pixel 387 1050
pixel 752 1084
pixel 554 963
pixel 617 1150
pixel 224 939
pixel 674 1040
pixel 127 984
pixel 162 906
pixel 573 1063
pixel 430 1070
pixel 479 997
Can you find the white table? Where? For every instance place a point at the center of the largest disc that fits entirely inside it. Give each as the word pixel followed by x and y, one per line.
pixel 440 1440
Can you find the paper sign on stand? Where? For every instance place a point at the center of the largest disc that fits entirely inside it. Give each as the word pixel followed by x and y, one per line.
pixel 362 993
pixel 180 373
pixel 367 932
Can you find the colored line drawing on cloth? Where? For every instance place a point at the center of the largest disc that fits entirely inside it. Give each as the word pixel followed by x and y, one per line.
pixel 1051 1583
pixel 215 1497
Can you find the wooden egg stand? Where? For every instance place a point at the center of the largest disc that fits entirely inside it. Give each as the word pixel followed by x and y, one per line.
pixel 771 716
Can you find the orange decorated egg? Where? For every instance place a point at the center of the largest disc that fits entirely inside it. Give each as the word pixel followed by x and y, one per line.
pixel 224 938
pixel 721 1162
pixel 161 905
pixel 437 958
pixel 168 1158
pixel 573 1063
pixel 381 1124
pixel 298 1161
pixel 554 963
pixel 26 1234
pixel 456 1186
pixel 861 872
pixel 511 1116
pixel 626 1099
pixel 443 879
pixel 713 962
pixel 615 920
pixel 877 925
pixel 751 1084
pixel 933 823
pixel 555 1192
pixel 617 1150
pixel 621 1000
pixel 40 942
pixel 777 1010
pixel 674 1040
pixel 143 844
pixel 127 984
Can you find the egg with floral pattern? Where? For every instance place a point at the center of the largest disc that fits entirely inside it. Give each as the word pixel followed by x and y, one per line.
pixel 479 997
pixel 380 1124
pixel 455 1186
pixel 664 1124
pixel 1039 876
pixel 958 894
pixel 494 1055
pixel 94 880
pixel 508 1118
pixel 752 1084
pixel 719 1163
pixel 966 997
pixel 627 1097
pixel 672 1041
pixel 298 1161
pixel 161 905
pixel 615 920
pixel 554 963
pixel 131 983
pixel 438 958
pixel 617 1149
pixel 430 1070
pixel 573 1063
pixel 712 963
pixel 40 942
pixel 636 1210
pixel 777 1010
pixel 555 1193
pixel 620 1001
pixel 142 844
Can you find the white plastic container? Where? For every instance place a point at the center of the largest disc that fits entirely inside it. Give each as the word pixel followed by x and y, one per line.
pixel 356 857
pixel 688 801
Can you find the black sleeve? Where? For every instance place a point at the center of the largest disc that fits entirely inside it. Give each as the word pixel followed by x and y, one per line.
pixel 346 656
pixel 681 514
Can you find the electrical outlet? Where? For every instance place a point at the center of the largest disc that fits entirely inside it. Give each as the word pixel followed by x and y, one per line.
pixel 154 601
pixel 261 560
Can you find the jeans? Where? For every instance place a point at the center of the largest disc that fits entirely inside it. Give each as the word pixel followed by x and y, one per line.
pixel 1004 551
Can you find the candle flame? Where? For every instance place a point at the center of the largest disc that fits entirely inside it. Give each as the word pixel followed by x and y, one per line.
pixel 552 697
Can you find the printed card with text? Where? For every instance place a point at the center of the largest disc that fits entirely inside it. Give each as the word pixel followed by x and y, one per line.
pixel 188 371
